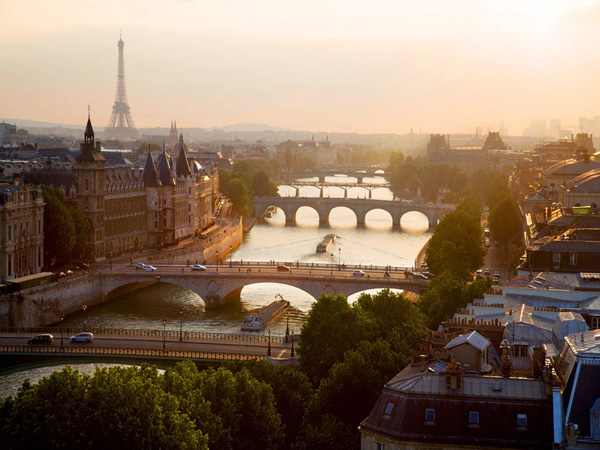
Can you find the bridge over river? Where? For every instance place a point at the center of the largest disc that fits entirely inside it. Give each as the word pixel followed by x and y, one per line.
pixel 45 305
pixel 360 207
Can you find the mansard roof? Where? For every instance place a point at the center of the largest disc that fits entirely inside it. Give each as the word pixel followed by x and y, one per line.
pixel 149 176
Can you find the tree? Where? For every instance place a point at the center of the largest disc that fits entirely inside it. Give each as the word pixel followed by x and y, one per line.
pixel 445 294
pixel 82 233
pixel 354 384
pixel 263 186
pixel 237 188
pixel 116 408
pixel 291 388
pixel 333 327
pixel 503 222
pixel 329 433
pixel 59 229
pixel 235 410
pixel 144 147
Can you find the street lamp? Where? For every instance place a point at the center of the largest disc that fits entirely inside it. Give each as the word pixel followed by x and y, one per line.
pixel 84 320
pixel 230 252
pixel 164 334
pixel 180 324
pixel 340 258
pixel 217 260
pixel 331 262
pixel 292 353
pixel 111 260
pixel 269 346
pixel 131 255
pixel 62 317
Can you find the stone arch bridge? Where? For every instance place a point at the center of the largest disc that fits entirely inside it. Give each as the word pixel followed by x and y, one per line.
pixel 360 207
pixel 44 305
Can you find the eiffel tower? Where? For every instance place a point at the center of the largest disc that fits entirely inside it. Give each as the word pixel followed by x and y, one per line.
pixel 120 125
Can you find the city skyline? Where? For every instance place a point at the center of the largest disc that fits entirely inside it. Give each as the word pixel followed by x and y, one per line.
pixel 388 67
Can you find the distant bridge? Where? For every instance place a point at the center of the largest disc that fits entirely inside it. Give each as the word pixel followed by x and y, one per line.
pixel 360 207
pixel 321 174
pixel 297 185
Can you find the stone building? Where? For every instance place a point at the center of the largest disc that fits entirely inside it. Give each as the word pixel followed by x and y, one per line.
pixel 21 230
pixel 130 208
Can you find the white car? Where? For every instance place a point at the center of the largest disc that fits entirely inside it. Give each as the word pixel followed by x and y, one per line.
pixel 150 268
pixel 198 267
pixel 140 265
pixel 358 273
pixel 82 337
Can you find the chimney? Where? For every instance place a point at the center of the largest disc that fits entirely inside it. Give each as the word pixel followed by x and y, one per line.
pixel 539 361
pixel 453 375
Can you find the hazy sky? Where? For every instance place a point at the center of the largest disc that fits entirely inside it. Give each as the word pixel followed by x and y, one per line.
pixel 327 65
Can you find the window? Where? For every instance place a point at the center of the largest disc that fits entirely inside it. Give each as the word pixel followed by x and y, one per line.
pixel 520 351
pixel 473 417
pixel 595 322
pixel 573 259
pixel 379 446
pixel 521 420
pixel 388 409
pixel 430 415
pixel 556 260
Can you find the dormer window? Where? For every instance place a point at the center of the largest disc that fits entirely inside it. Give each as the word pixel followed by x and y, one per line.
pixel 430 415
pixel 388 409
pixel 521 421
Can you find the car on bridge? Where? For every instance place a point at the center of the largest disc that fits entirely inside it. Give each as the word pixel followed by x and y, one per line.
pixel 82 337
pixel 140 266
pixel 282 268
pixel 198 267
pixel 41 339
pixel 149 268
pixel 358 273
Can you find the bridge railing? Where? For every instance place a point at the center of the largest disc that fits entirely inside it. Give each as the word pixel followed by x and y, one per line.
pixel 186 335
pixel 179 354
pixel 303 265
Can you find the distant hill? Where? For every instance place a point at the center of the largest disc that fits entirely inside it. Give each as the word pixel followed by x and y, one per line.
pixel 24 123
pixel 250 127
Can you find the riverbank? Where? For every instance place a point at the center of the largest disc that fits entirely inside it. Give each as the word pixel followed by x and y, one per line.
pixel 421 255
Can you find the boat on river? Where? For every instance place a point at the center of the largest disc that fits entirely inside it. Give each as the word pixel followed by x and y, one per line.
pixel 326 243
pixel 260 320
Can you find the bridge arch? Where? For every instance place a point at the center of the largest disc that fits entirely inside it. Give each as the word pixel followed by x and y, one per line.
pixel 138 286
pixel 380 218
pixel 413 219
pixel 343 211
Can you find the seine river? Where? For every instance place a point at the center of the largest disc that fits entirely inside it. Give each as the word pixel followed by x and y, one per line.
pixel 378 242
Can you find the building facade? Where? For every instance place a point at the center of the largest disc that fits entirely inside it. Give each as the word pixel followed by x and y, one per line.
pixel 21 231
pixel 130 208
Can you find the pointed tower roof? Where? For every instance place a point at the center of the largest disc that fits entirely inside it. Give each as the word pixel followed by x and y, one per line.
pixel 164 170
pixel 149 176
pixel 183 166
pixel 88 150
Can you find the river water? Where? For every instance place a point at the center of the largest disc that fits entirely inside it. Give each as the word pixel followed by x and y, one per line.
pixel 378 242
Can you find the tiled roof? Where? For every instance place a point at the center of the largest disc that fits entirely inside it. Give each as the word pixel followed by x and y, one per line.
pixel 586 344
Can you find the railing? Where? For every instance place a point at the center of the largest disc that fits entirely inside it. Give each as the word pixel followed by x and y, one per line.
pixel 187 335
pixel 185 354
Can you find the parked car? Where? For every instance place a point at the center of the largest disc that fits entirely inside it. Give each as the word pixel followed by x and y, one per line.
pixel 358 273
pixel 82 337
pixel 140 266
pixel 479 273
pixel 198 267
pixel 423 265
pixel 487 272
pixel 282 268
pixel 41 339
pixel 69 272
pixel 497 274
pixel 495 280
pixel 149 268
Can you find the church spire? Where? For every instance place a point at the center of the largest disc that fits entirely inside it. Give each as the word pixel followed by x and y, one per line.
pixel 88 135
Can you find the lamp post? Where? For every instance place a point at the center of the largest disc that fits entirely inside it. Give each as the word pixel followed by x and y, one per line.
pixel 292 353
pixel 62 317
pixel 131 255
pixel 111 260
pixel 217 260
pixel 331 262
pixel 84 320
pixel 180 324
pixel 269 346
pixel 164 334
pixel 230 252
pixel 340 258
